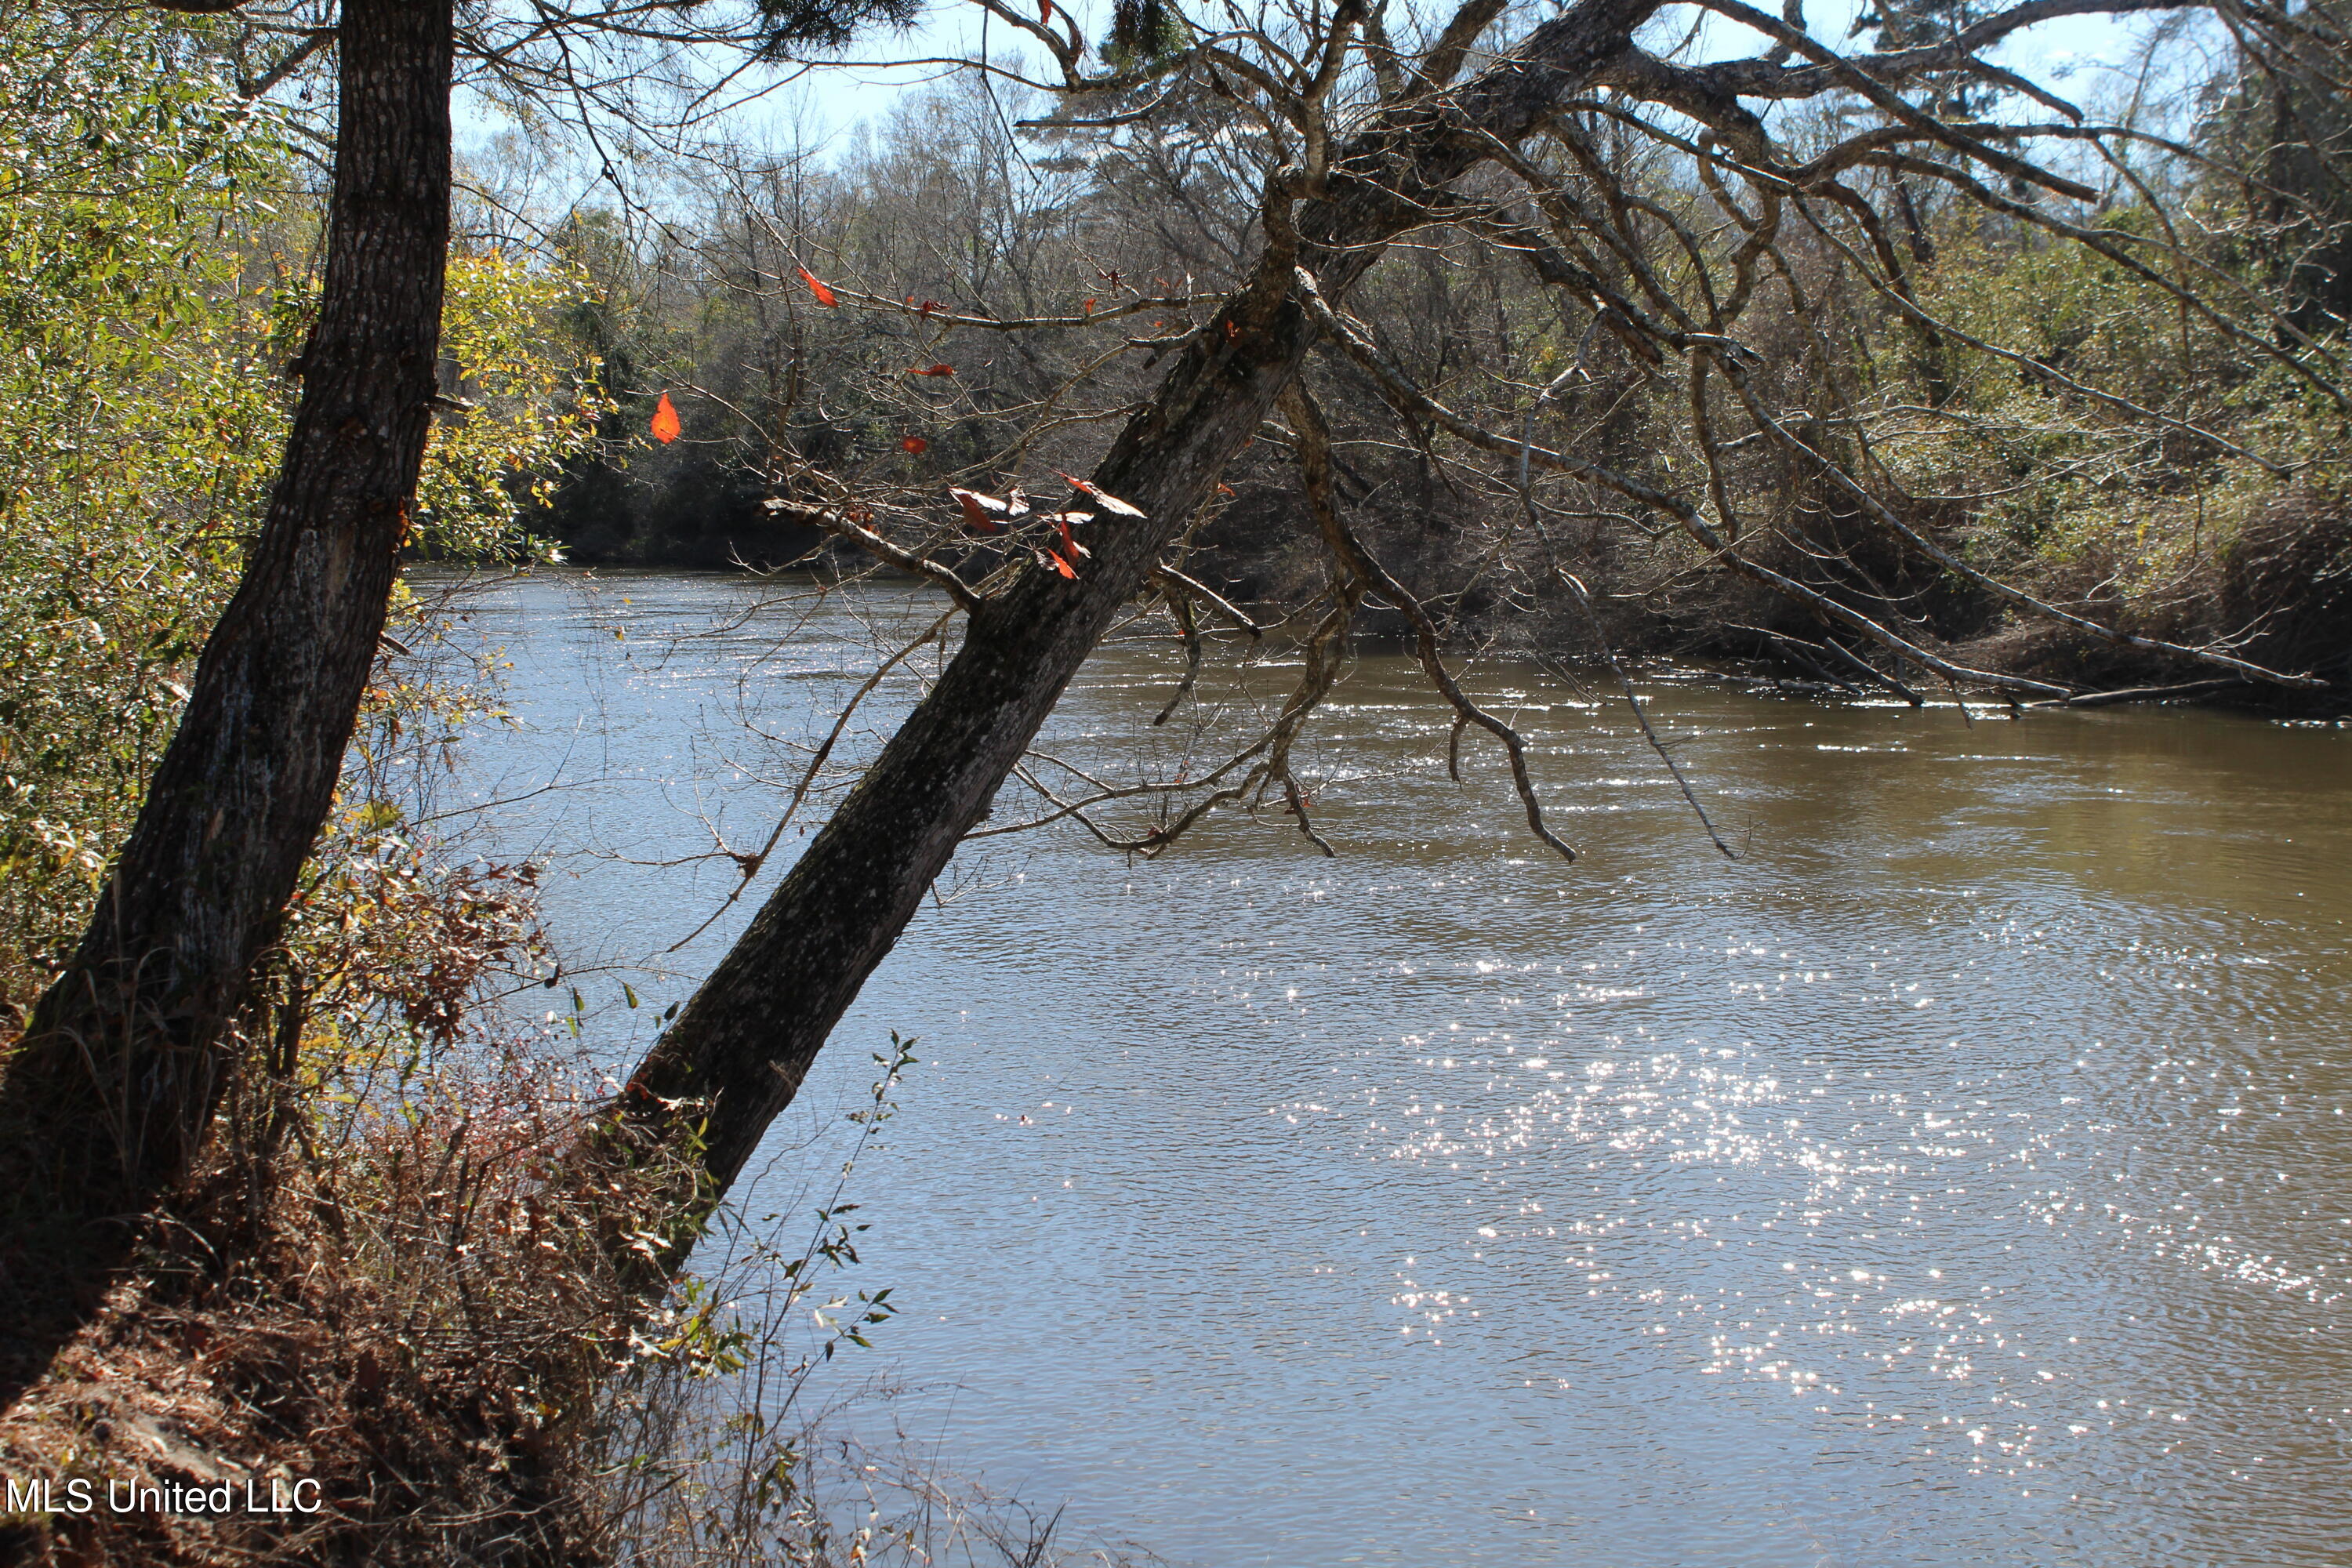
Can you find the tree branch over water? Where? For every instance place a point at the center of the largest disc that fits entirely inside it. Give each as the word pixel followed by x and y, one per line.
pixel 1776 367
pixel 1632 264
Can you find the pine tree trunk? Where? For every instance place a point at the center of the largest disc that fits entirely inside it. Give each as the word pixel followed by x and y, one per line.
pixel 108 1097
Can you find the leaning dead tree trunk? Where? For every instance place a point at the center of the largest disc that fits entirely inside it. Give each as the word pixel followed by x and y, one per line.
pixel 124 1058
pixel 741 1047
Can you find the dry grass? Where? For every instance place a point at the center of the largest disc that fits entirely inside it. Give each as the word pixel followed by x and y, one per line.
pixel 400 1291
pixel 409 1316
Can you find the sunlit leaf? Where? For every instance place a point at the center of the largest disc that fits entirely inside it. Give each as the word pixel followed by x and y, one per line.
pixel 1101 498
pixel 987 513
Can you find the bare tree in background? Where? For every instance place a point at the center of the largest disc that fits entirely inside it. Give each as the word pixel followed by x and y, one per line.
pixel 1695 224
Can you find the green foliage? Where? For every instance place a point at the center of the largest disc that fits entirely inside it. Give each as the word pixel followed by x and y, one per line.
pixel 122 462
pixel 154 280
pixel 794 27
pixel 2114 483
pixel 1144 34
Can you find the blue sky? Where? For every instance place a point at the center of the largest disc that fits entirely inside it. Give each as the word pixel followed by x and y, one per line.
pixel 2086 59
pixel 2078 57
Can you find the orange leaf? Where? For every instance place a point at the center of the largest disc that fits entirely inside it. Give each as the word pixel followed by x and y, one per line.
pixel 973 517
pixel 935 369
pixel 928 306
pixel 1088 307
pixel 1069 540
pixel 987 513
pixel 1233 333
pixel 1061 565
pixel 816 287
pixel 1224 490
pixel 666 427
pixel 916 445
pixel 1103 499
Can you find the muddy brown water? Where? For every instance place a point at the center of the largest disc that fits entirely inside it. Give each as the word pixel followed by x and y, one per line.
pixel 1965 1177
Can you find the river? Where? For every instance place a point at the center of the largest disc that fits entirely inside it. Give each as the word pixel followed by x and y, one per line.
pixel 1962 1178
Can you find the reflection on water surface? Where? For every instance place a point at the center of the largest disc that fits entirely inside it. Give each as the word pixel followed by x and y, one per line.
pixel 1960 1180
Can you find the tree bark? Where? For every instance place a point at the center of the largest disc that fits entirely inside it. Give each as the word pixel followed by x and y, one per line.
pixel 740 1049
pixel 109 1096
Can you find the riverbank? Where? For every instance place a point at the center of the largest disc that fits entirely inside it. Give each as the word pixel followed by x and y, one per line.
pixel 2274 590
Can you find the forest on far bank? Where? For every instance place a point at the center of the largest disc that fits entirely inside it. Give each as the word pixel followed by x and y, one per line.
pixel 2055 415
pixel 1581 333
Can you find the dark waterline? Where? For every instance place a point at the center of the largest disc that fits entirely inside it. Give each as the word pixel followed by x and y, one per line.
pixel 1961 1180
